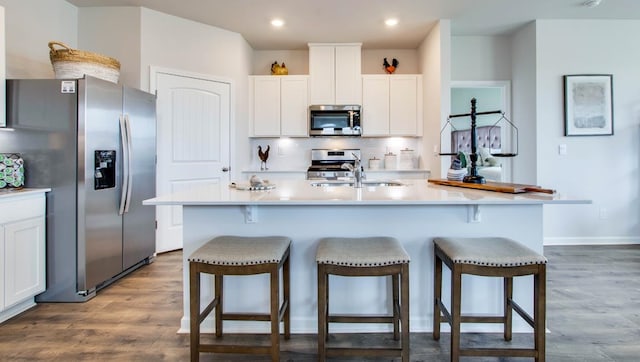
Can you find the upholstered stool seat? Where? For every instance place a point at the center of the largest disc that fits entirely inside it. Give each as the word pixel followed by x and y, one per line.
pixel 491 257
pixel 235 255
pixel 369 256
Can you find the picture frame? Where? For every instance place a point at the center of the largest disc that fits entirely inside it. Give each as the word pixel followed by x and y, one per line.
pixel 588 105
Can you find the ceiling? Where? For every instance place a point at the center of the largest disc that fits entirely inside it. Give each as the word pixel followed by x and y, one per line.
pixel 363 20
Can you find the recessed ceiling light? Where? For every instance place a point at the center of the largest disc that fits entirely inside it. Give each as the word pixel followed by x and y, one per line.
pixel 591 3
pixel 391 22
pixel 277 23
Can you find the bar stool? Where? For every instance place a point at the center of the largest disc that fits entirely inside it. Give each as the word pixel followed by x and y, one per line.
pixel 358 257
pixel 489 257
pixel 234 255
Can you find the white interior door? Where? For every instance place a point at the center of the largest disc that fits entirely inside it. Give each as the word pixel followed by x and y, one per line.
pixel 193 142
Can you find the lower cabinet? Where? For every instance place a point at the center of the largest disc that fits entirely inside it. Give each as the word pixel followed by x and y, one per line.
pixel 22 253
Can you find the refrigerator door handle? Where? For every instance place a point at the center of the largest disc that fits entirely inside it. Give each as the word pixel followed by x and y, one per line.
pixel 129 174
pixel 125 168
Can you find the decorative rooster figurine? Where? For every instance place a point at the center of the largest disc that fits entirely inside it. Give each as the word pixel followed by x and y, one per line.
pixel 390 68
pixel 263 157
pixel 277 69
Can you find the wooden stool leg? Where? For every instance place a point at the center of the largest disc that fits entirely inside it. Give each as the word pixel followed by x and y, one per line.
pixel 275 307
pixel 286 276
pixel 218 307
pixel 539 310
pixel 396 305
pixel 508 308
pixel 437 295
pixel 456 306
pixel 323 285
pixel 194 311
pixel 404 312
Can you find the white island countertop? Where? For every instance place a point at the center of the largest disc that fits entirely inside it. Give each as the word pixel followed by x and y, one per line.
pixel 302 192
pixel 414 213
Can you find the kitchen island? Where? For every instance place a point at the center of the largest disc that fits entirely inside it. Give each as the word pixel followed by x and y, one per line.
pixel 414 213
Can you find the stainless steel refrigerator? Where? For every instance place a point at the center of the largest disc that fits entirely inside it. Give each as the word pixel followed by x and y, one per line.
pixel 93 143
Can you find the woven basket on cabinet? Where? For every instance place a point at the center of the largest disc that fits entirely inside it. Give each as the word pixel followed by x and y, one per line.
pixel 73 63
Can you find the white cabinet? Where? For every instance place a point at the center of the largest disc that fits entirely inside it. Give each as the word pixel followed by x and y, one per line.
pixel 392 105
pixel 22 252
pixel 279 106
pixel 335 73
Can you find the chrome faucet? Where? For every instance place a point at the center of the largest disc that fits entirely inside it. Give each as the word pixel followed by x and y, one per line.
pixel 357 169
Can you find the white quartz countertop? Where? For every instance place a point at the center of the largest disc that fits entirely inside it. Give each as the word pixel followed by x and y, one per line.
pixel 302 192
pixel 7 193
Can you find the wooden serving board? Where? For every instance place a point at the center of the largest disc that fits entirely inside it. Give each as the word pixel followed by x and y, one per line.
pixel 495 186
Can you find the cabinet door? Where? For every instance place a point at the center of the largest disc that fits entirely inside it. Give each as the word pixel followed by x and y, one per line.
pixel 2 268
pixel 294 104
pixel 322 74
pixel 266 106
pixel 348 66
pixel 24 260
pixel 375 105
pixel 403 105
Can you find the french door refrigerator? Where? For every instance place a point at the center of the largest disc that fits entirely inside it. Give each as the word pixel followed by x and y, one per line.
pixel 93 143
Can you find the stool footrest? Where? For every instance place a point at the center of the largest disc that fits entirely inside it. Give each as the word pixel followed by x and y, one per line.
pixel 499 352
pixel 231 348
pixel 207 310
pixel 481 319
pixel 359 352
pixel 246 317
pixel 522 313
pixel 360 319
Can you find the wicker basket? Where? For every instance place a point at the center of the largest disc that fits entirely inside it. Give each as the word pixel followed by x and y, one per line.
pixel 72 63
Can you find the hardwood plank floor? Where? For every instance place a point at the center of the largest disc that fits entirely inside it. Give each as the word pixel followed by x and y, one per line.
pixel 593 310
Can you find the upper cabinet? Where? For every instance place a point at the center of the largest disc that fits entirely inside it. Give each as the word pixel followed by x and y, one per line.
pixel 335 73
pixel 392 105
pixel 279 105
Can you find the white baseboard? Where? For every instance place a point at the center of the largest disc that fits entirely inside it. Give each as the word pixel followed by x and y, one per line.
pixel 605 240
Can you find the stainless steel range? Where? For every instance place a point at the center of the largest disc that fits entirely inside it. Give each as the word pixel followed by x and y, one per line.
pixel 327 164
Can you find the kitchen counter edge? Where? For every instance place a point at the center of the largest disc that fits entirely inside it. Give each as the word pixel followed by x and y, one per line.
pixel 301 193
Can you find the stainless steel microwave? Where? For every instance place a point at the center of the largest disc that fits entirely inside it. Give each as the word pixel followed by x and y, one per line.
pixel 335 120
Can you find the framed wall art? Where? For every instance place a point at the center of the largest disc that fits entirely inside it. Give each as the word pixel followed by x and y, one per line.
pixel 588 105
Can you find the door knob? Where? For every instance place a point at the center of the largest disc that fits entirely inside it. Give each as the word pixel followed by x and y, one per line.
pixel 226 169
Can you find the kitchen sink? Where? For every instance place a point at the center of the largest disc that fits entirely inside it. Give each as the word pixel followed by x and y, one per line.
pixel 365 183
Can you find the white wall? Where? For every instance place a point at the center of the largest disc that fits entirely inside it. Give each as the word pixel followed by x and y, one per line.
pixel 603 168
pixel 297 61
pixel 171 42
pixel 372 60
pixel 29 26
pixel 434 54
pixel 523 111
pixel 97 33
pixel 480 58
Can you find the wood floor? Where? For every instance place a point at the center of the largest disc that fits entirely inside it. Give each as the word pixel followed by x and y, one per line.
pixel 593 314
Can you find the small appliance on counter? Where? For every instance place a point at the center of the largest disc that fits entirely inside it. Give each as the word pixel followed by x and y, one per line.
pixel 406 159
pixel 390 161
pixel 374 163
pixel 326 164
pixel 11 171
